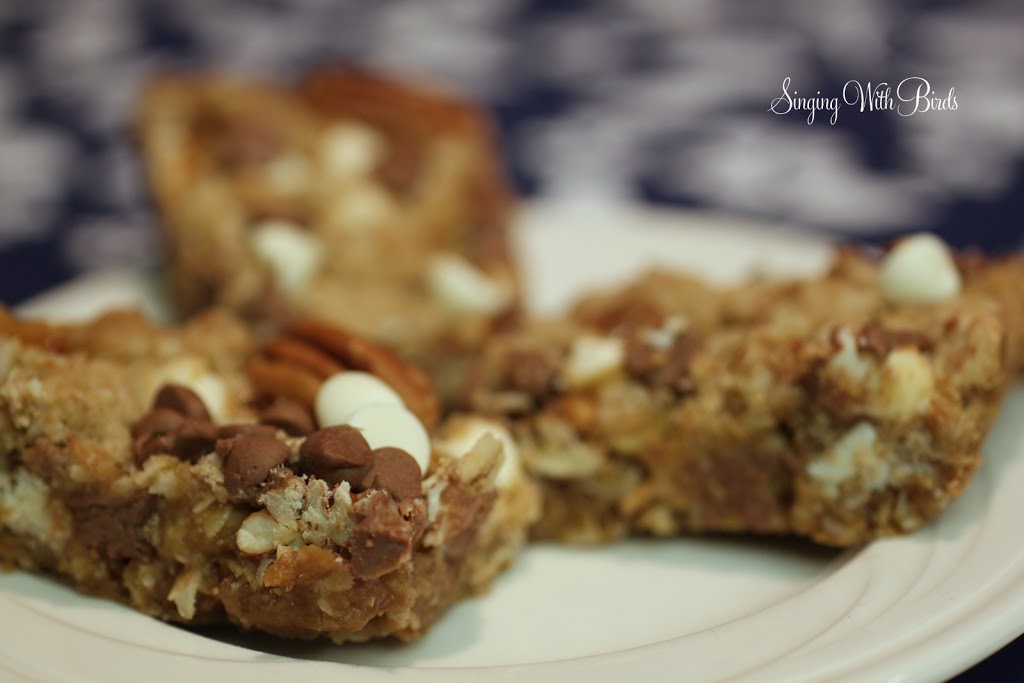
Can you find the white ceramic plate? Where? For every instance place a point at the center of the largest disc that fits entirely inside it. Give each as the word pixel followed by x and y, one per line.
pixel 919 608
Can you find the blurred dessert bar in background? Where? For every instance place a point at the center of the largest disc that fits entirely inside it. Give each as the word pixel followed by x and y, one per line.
pixel 366 202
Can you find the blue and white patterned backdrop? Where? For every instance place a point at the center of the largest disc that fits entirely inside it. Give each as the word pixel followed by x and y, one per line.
pixel 656 100
pixel 651 100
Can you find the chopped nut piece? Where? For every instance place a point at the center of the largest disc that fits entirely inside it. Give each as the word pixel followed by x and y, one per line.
pixel 664 337
pixel 260 533
pixel 846 459
pixel 592 359
pixel 847 359
pixel 461 433
pixel 183 592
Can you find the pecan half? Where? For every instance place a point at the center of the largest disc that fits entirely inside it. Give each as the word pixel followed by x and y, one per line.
pixel 295 364
pixel 303 355
pixel 278 378
pixel 50 336
pixel 411 383
pixel 409 118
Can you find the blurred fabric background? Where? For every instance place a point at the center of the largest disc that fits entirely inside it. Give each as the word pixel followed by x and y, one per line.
pixel 663 101
pixel 649 100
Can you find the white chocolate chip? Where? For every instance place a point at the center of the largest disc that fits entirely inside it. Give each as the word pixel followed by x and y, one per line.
pixel 918 270
pixel 461 433
pixel 288 173
pixel 367 403
pixel 211 389
pixel 292 254
pixel 591 359
pixel 349 150
pixel 344 393
pixel 464 288
pixel 907 384
pixel 386 424
pixel 193 373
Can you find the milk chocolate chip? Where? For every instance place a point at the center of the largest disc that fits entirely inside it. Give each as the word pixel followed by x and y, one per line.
pixel 532 371
pixel 248 428
pixel 158 421
pixel 163 430
pixel 337 454
pixel 382 541
pixel 248 460
pixel 181 400
pixel 151 444
pixel 112 528
pixel 289 416
pixel 193 439
pixel 375 556
pixel 396 472
pixel 152 433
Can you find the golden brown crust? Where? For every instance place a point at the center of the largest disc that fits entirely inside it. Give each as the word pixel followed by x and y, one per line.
pixel 796 407
pixel 240 531
pixel 384 178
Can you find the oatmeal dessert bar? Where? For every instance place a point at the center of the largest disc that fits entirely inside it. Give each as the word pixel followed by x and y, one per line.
pixel 366 202
pixel 299 486
pixel 840 408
